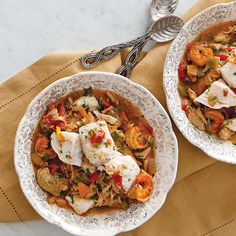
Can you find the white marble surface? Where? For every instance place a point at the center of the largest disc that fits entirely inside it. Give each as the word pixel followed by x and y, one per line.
pixel 30 29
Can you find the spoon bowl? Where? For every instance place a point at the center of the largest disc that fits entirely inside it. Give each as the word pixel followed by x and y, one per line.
pixel 162 8
pixel 166 28
pixel 159 9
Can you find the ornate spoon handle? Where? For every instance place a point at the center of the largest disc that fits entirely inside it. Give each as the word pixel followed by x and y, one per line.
pixel 92 59
pixel 132 59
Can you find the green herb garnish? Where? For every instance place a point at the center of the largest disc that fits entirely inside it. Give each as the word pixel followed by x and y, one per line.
pixel 46 158
pixel 88 91
pixel 81 179
pixel 115 136
pixel 100 105
pixel 85 106
pixel 234 73
pixel 226 123
pixel 62 194
pixel 72 199
pixel 213 98
pixel 208 122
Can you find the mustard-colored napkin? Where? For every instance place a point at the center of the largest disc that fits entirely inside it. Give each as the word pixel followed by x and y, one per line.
pixel 203 199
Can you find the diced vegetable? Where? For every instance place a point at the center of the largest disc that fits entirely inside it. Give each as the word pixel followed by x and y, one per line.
pixel 107 104
pixel 123 117
pixel 183 91
pixel 93 177
pixel 61 109
pixel 222 56
pixel 82 179
pixel 182 73
pixel 117 179
pixel 84 190
pixel 212 62
pixel 61 202
pixel 225 92
pixel 83 112
pixel 192 70
pixel 97 137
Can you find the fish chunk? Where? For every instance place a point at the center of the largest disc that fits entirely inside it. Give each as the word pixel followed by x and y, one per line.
pixel 127 168
pixel 69 149
pixel 97 154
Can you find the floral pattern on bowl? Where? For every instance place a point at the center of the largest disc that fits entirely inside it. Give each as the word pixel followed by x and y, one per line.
pixel 113 222
pixel 221 150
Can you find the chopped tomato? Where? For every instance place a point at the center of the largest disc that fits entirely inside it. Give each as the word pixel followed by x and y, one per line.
pixel 184 104
pixel 108 141
pixel 225 92
pixel 149 129
pixel 182 72
pixel 49 119
pixel 229 49
pixel 123 117
pixel 97 137
pixel 61 109
pixel 106 104
pixel 222 56
pixel 184 107
pixel 93 177
pixel 117 179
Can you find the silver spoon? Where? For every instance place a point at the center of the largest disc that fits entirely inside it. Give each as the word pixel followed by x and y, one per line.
pixel 159 8
pixel 162 30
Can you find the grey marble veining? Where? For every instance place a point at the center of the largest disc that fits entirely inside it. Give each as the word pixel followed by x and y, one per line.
pixel 29 29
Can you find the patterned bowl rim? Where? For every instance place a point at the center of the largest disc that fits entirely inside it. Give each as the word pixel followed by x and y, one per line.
pixel 166 79
pixel 57 220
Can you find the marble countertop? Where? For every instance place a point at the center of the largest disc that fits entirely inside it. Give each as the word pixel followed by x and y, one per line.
pixel 29 29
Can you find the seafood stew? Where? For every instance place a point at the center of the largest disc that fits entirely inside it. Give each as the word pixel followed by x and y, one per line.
pixel 94 149
pixel 207 81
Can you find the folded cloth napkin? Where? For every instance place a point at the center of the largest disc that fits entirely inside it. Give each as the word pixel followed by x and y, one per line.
pixel 203 199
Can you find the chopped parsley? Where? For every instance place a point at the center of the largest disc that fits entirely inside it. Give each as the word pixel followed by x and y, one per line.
pixel 85 106
pixel 214 98
pixel 100 105
pixel 208 122
pixel 88 91
pixel 82 180
pixel 115 136
pixel 72 199
pixel 234 73
pixel 46 158
pixel 62 194
pixel 226 123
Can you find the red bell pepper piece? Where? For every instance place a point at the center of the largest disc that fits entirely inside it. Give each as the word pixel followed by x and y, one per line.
pixel 61 109
pixel 107 104
pixel 117 179
pixel 93 177
pixel 97 137
pixel 222 56
pixel 182 72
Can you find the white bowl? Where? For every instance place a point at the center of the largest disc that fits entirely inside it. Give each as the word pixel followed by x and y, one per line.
pixel 221 150
pixel 166 156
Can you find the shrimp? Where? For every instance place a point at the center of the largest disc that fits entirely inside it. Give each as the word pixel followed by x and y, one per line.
pixel 199 53
pixel 42 147
pixel 215 120
pixel 142 188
